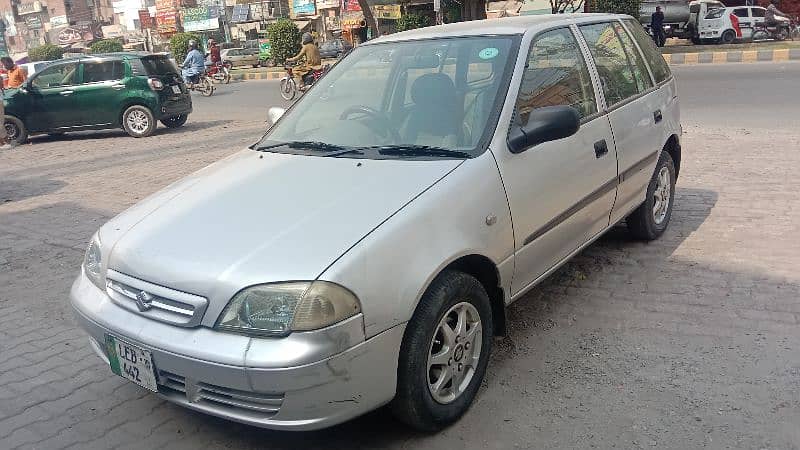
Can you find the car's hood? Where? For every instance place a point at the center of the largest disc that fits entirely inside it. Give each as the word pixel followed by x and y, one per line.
pixel 261 217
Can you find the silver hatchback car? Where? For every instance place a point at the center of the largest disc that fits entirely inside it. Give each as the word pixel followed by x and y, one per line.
pixel 363 252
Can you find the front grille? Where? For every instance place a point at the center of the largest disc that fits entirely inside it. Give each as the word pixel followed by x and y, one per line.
pixel 161 303
pixel 253 404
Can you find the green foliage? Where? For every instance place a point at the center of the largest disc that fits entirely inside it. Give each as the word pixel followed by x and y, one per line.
pixel 412 21
pixel 106 46
pixel 284 39
pixel 629 7
pixel 179 44
pixel 47 52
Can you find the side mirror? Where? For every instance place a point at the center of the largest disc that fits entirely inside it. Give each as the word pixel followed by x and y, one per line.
pixel 274 113
pixel 545 124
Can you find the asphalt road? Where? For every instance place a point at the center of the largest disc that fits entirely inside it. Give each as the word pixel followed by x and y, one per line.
pixel 687 342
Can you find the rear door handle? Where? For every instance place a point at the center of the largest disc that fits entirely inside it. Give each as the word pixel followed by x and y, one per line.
pixel 118 87
pixel 657 116
pixel 66 93
pixel 600 148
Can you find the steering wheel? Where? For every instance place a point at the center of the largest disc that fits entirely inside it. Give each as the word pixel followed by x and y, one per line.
pixel 386 125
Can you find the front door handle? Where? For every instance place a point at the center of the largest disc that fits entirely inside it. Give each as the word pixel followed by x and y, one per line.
pixel 657 115
pixel 600 148
pixel 66 93
pixel 118 87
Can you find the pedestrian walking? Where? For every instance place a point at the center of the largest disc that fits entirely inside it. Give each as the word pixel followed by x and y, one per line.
pixel 657 27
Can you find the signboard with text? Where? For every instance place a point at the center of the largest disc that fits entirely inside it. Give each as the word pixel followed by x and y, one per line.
pixel 28 8
pixel 58 21
pixel 387 11
pixel 303 7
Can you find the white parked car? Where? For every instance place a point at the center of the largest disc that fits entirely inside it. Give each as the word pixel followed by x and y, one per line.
pixel 718 26
pixel 363 252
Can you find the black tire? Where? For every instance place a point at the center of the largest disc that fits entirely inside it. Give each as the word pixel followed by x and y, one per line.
pixel 138 121
pixel 728 37
pixel 15 130
pixel 414 403
pixel 175 121
pixel 696 41
pixel 642 223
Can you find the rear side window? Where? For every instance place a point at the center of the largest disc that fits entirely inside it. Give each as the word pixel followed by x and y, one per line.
pixel 651 54
pixel 103 71
pixel 620 79
pixel 556 74
pixel 157 65
pixel 741 12
pixel 758 12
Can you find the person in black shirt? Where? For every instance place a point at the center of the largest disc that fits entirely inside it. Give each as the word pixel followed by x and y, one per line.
pixel 657 25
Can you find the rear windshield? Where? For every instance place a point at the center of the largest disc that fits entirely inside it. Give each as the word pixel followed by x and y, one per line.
pixel 155 65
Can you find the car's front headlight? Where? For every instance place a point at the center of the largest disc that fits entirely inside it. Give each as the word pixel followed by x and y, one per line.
pixel 278 309
pixel 93 263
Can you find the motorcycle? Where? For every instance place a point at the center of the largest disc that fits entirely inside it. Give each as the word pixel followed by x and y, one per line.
pixel 220 72
pixel 204 85
pixel 288 84
pixel 780 32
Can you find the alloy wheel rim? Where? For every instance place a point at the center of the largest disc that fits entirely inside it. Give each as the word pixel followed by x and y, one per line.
pixel 11 131
pixel 138 122
pixel 661 196
pixel 454 353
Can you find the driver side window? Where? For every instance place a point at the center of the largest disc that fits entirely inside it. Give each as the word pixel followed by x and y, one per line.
pixel 57 76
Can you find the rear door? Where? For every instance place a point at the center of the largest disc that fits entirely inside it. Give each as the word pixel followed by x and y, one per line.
pixel 635 117
pixel 560 192
pixel 53 103
pixel 101 92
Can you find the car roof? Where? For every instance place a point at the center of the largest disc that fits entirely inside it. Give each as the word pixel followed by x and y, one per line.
pixel 108 56
pixel 502 26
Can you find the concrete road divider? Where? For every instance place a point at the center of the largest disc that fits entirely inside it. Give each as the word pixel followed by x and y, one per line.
pixel 776 55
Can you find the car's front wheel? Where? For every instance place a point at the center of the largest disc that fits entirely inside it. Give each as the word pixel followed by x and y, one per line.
pixel 649 220
pixel 138 121
pixel 445 352
pixel 15 130
pixel 175 121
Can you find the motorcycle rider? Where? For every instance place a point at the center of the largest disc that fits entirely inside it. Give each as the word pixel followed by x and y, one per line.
pixel 313 59
pixel 193 65
pixel 214 52
pixel 771 18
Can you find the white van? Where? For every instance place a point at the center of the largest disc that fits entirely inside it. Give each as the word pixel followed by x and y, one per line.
pixel 717 25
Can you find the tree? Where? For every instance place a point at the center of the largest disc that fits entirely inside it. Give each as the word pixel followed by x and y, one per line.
pixel 629 7
pixel 106 46
pixel 47 52
pixel 412 21
pixel 284 39
pixel 369 17
pixel 179 44
pixel 562 6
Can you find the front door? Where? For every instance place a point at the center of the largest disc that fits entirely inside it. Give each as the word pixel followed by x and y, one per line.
pixel 101 92
pixel 745 22
pixel 558 191
pixel 53 102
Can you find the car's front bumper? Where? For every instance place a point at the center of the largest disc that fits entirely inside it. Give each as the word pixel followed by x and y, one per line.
pixel 300 397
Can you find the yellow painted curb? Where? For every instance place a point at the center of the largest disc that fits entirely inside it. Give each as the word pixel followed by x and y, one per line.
pixel 750 56
pixel 690 58
pixel 667 58
pixel 722 57
pixel 781 54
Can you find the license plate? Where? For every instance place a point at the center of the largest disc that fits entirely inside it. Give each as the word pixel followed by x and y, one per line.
pixel 131 362
pixel 176 89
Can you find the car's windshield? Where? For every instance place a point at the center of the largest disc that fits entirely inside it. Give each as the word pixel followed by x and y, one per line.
pixel 440 94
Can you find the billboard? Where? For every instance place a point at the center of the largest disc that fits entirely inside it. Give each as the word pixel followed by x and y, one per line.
pixel 303 7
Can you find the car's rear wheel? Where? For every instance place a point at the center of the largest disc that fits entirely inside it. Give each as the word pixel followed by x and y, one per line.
pixel 651 218
pixel 15 130
pixel 138 121
pixel 175 121
pixel 728 37
pixel 445 352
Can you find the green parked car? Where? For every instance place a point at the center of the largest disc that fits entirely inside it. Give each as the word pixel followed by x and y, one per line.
pixel 131 91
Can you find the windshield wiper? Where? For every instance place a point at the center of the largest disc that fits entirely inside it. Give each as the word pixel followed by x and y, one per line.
pixel 329 149
pixel 420 150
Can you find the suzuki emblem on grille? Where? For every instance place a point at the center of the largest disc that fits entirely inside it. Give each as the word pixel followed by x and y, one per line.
pixel 144 301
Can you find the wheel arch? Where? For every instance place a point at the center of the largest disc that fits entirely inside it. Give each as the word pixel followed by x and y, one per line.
pixel 137 102
pixel 487 273
pixel 673 147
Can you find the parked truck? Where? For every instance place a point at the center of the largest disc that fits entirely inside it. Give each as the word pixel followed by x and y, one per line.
pixel 681 19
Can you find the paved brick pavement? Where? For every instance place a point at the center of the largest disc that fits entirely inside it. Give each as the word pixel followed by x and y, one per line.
pixel 688 342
